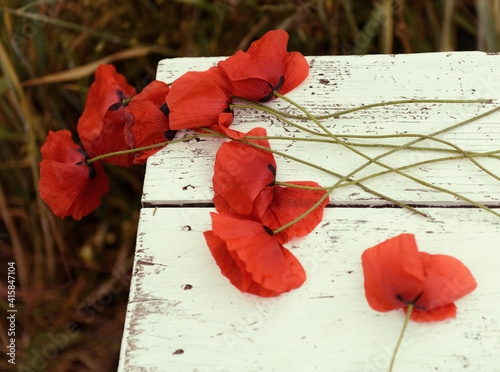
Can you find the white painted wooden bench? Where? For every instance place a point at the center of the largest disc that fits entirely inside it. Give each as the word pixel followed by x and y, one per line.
pixel 183 315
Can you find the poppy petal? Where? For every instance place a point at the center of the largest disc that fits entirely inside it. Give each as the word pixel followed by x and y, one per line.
pixel 109 88
pixel 265 67
pixel 271 265
pixel 196 99
pixel 222 129
pixel 150 123
pixel 230 268
pixel 112 138
pixel 260 206
pixel 447 279
pixel 296 71
pixel 68 184
pixel 102 122
pixel 242 171
pixel 393 272
pixel 256 73
pixel 434 315
pixel 288 203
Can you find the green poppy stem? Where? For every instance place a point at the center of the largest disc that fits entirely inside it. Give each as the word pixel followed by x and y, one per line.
pixel 424 162
pixel 395 148
pixel 278 115
pixel 126 101
pixel 375 160
pixel 161 144
pixel 407 319
pixel 360 108
pixel 389 103
pixel 404 167
pixel 373 192
pixel 317 204
pixel 462 123
pixel 331 188
pixel 454 148
pixel 286 184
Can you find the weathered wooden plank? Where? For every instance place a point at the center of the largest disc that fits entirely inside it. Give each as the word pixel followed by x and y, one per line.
pixel 181 173
pixel 183 315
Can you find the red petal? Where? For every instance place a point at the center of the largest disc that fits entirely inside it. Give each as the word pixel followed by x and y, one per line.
pixel 440 313
pixel 230 268
pixel 256 73
pixel 101 130
pixel 222 129
pixel 260 205
pixel 112 139
pixel 197 99
pixel 393 270
pixel 101 95
pixel 225 119
pixel 296 71
pixel 150 125
pixel 242 171
pixel 447 279
pixel 65 182
pixel 288 204
pixel 271 265
pixel 265 67
pixel 156 92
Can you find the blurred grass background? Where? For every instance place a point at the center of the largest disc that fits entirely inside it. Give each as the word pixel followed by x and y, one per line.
pixel 73 276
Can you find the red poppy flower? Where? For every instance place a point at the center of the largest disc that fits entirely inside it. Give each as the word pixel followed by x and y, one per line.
pixel 200 99
pixel 101 126
pixel 265 67
pixel 242 172
pixel 288 203
pixel 397 275
pixel 244 187
pixel 251 257
pixel 68 184
pixel 148 123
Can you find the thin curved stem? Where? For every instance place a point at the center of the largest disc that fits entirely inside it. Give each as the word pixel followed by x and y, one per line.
pixel 389 103
pixel 413 165
pixel 367 189
pixel 421 137
pixel 457 149
pixel 375 160
pixel 333 136
pixel 378 174
pixel 293 185
pixel 407 319
pixel 278 116
pixel 408 166
pixel 364 107
pixel 161 144
pixel 316 205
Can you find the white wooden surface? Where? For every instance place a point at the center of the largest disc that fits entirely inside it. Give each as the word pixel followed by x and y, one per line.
pixel 326 325
pixel 183 315
pixel 344 82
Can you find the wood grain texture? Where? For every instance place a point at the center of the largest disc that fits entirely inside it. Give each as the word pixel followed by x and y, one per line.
pixel 182 173
pixel 184 316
